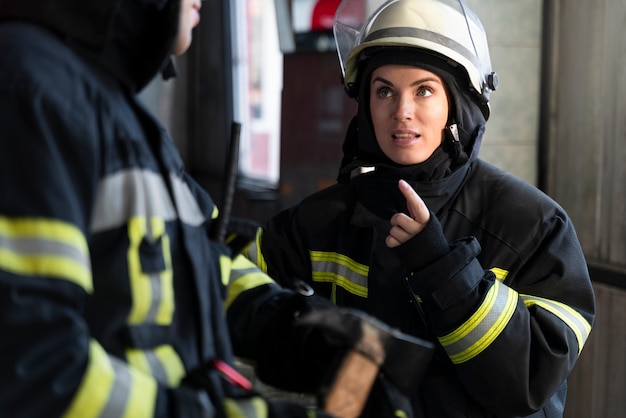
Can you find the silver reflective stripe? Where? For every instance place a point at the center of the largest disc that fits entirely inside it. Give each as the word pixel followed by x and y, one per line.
pixel 186 203
pixel 46 248
pixel 484 326
pixel 156 300
pixel 157 369
pixel 37 246
pixel 437 38
pixel 340 270
pixel 141 193
pixel 565 313
pixel 118 398
pixel 238 273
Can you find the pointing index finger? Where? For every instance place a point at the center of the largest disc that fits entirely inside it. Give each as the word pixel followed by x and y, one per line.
pixel 415 205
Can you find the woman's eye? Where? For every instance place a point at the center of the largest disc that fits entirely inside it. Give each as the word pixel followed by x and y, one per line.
pixel 424 92
pixel 384 92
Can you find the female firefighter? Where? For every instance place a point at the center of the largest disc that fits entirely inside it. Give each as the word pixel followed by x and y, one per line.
pixel 112 291
pixel 421 233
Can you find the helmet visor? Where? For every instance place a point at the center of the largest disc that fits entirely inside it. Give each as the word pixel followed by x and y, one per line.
pixel 448 27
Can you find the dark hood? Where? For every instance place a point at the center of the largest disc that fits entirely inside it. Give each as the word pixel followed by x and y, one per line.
pixel 131 39
pixel 360 147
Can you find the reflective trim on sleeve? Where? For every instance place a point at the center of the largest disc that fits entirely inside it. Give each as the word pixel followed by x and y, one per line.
pixel 45 248
pixel 226 264
pixel 142 193
pixel 484 326
pixel 152 293
pixel 500 274
pixel 253 253
pixel 330 267
pixel 163 363
pixel 565 313
pixel 254 407
pixel 110 389
pixel 244 275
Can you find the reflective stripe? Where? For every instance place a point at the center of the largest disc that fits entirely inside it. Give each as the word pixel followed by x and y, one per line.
pixel 484 326
pixel 153 293
pixel 110 389
pixel 172 364
pixel 225 266
pixel 152 300
pixel 253 253
pixel 340 270
pixel 500 274
pixel 427 35
pixel 45 248
pixel 135 193
pixel 254 407
pixel 571 317
pixel 163 363
pixel 244 275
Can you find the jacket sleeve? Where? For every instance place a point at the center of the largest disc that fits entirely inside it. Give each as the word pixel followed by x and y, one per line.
pixel 513 336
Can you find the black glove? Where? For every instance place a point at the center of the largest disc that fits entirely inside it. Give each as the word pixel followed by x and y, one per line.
pixel 386 400
pixel 293 357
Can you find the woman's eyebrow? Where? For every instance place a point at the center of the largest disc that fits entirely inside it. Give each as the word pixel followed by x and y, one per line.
pixel 416 82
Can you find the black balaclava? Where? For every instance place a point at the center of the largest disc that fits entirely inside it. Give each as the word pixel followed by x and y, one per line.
pixel 360 147
pixel 131 39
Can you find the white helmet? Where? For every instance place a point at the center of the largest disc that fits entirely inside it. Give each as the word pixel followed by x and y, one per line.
pixel 446 27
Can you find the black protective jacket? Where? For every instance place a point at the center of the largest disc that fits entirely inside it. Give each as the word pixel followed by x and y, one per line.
pixel 510 303
pixel 496 279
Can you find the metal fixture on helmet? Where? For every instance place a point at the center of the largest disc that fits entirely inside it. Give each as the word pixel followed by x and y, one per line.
pixel 446 28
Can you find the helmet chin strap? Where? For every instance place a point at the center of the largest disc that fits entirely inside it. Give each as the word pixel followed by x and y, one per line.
pixel 452 134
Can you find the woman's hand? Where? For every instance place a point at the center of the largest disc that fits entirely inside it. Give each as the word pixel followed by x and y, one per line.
pixel 403 226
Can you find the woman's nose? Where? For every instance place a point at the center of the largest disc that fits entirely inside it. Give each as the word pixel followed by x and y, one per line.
pixel 404 107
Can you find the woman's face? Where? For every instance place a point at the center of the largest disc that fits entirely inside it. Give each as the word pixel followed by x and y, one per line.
pixel 189 19
pixel 409 108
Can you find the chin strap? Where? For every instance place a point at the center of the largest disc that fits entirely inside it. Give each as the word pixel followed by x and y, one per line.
pixel 452 132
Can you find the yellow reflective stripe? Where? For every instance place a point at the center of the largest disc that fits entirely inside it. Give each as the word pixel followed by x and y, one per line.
pixel 163 363
pixel 45 248
pixel 252 251
pixel 110 389
pixel 152 294
pixel 95 387
pixel 483 327
pixel 244 275
pixel 172 364
pixel 254 407
pixel 225 265
pixel 331 267
pixel 215 213
pixel 341 281
pixel 575 321
pixel 165 279
pixel 141 289
pixel 500 274
pixel 340 259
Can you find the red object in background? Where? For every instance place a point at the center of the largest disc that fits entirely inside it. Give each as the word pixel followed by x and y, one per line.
pixel 324 14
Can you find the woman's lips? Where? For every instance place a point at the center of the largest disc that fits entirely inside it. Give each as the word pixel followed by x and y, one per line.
pixel 404 136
